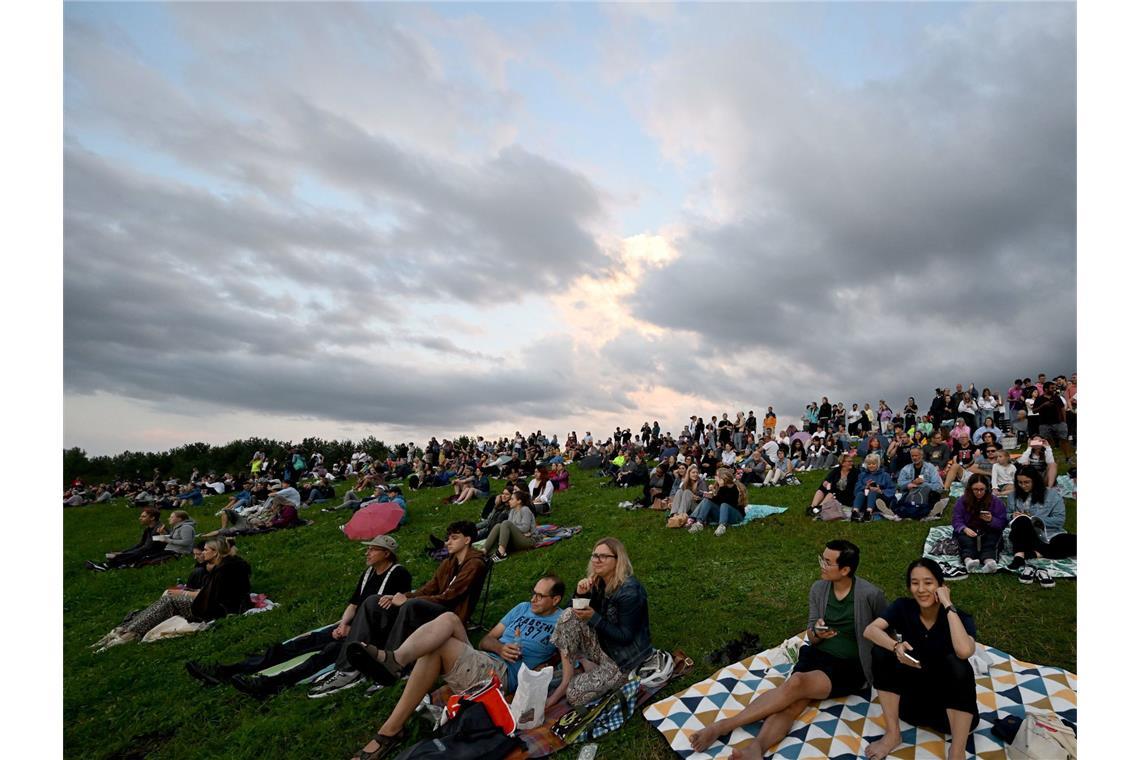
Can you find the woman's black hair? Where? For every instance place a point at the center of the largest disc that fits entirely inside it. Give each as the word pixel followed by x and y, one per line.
pixel 973 503
pixel 1037 492
pixel 934 568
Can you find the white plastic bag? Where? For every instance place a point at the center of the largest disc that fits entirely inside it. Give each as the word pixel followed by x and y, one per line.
pixel 529 704
pixel 171 627
pixel 980 661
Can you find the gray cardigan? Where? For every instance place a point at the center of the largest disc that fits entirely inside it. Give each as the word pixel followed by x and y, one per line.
pixel 869 604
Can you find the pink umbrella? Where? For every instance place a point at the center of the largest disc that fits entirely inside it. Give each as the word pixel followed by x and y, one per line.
pixel 374 520
pixel 802 436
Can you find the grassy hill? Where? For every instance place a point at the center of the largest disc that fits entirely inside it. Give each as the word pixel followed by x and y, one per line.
pixel 136 700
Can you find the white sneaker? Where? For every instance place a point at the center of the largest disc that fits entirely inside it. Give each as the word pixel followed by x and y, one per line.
pixel 696 527
pixel 720 530
pixel 338 680
pixel 973 565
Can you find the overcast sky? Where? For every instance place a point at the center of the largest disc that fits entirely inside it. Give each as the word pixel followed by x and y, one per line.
pixel 403 220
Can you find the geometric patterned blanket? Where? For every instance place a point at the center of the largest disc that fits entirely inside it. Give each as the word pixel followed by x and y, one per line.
pixel 842 728
pixel 940 540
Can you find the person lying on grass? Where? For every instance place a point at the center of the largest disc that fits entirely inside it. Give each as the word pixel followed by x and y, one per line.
pixel 922 672
pixel 225 592
pixel 389 619
pixel 441 648
pixel 382 575
pixel 835 662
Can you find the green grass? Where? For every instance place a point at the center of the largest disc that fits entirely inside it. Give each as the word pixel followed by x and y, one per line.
pixel 136 700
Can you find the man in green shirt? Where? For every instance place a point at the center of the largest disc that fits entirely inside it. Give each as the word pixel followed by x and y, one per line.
pixel 835 662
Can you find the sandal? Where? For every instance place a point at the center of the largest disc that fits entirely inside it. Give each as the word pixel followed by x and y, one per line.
pixel 388 744
pixel 682 664
pixel 366 659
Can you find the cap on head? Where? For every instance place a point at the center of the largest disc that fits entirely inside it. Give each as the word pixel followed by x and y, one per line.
pixel 383 542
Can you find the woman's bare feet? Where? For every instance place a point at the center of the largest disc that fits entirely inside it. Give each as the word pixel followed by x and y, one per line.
pixel 751 751
pixel 884 746
pixel 701 740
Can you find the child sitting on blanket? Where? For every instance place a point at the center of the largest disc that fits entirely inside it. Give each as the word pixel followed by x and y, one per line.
pixel 837 663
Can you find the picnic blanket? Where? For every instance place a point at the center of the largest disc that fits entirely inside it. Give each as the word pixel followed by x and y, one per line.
pixel 544 535
pixel 1067 487
pixel 940 546
pixel 180 626
pixel 840 728
pixel 758 512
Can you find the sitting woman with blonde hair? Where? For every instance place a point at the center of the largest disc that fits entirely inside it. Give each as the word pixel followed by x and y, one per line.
pixel 726 504
pixel 225 592
pixel 607 627
pixel 688 491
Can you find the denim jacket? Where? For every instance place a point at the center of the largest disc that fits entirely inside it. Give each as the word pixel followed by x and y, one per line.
pixel 622 623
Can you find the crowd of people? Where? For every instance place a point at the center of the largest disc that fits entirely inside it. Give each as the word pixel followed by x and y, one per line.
pixel 879 465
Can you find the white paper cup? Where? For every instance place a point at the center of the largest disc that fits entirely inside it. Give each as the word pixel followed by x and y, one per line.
pixel 581 602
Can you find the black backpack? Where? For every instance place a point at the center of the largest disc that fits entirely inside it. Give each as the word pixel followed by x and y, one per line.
pixel 470 735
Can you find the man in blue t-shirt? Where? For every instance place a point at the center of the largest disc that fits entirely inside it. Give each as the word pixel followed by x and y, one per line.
pixel 441 648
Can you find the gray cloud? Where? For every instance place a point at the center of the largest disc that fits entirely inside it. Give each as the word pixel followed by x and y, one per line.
pixel 937 206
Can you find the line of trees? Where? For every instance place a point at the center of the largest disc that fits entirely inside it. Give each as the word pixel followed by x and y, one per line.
pixel 234 457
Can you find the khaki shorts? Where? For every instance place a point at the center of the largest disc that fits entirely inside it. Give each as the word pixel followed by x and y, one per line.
pixel 472 668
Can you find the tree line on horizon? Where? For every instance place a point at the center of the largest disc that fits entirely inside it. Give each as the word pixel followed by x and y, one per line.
pixel 233 457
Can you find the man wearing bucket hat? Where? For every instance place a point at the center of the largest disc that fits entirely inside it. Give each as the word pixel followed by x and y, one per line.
pixel 382 575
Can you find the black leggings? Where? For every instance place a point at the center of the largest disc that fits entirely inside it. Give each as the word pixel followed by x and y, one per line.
pixel 946 683
pixel 1024 539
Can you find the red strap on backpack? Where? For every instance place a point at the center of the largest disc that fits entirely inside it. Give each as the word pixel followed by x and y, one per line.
pixel 490 694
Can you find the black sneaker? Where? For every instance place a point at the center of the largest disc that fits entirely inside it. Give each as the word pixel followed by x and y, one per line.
pixel 953 573
pixel 209 675
pixel 253 686
pixel 856 516
pixel 1045 578
pixel 1026 574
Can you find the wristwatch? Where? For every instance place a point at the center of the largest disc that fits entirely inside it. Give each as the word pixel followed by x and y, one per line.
pixel 953 609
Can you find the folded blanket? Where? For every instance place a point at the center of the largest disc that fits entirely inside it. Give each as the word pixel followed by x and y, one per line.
pixel 842 728
pixel 758 512
pixel 544 535
pixel 940 546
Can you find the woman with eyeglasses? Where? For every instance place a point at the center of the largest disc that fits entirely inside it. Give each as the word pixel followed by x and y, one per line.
pixel 979 519
pixel 607 626
pixel 1037 527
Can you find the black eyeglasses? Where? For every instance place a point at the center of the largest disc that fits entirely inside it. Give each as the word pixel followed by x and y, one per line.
pixel 541 595
pixel 600 557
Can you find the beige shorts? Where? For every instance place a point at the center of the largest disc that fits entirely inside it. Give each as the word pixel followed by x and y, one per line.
pixel 473 668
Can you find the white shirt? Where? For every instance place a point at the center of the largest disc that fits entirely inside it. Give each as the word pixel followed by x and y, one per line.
pixel 1003 475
